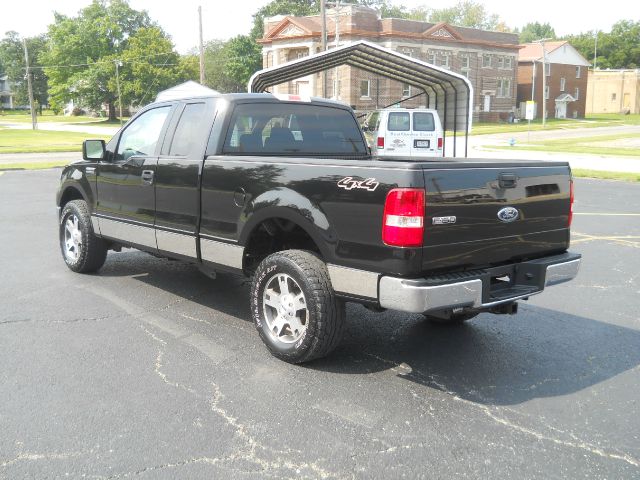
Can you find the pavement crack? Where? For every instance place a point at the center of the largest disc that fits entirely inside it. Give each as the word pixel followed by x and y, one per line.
pixel 491 412
pixel 252 450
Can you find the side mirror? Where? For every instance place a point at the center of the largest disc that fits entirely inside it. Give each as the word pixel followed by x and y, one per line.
pixel 93 149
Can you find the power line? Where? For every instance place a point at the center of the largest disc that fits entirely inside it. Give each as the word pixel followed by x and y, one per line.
pixel 102 61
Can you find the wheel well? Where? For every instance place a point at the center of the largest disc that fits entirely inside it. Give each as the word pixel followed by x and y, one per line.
pixel 69 194
pixel 274 235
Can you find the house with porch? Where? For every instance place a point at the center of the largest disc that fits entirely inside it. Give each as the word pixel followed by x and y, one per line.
pixel 566 76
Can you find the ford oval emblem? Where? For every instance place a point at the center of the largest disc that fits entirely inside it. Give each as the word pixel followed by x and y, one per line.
pixel 508 214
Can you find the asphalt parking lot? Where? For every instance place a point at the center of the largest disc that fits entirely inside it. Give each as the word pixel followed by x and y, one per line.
pixel 151 370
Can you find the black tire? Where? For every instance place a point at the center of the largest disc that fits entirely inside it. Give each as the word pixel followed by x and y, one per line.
pixel 454 319
pixel 91 251
pixel 324 313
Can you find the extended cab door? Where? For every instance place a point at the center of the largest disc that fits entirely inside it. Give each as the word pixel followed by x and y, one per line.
pixel 125 181
pixel 177 178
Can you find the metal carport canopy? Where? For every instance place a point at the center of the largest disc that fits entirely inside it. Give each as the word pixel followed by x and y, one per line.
pixel 451 94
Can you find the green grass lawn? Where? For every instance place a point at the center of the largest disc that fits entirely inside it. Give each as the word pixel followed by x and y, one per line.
pixel 589 145
pixel 30 141
pixel 592 121
pixel 22 116
pixel 630 177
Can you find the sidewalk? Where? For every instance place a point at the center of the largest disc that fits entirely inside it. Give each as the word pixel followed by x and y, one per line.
pixel 64 157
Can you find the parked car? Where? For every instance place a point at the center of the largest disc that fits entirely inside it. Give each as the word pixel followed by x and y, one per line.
pixel 287 193
pixel 402 132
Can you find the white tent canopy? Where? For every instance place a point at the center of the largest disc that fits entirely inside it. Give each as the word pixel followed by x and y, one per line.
pixel 185 90
pixel 451 94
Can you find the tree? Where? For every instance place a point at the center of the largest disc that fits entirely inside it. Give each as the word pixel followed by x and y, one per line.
pixel 536 31
pixel 467 13
pixel 83 52
pixel 13 65
pixel 150 64
pixel 282 7
pixel 230 64
pixel 619 48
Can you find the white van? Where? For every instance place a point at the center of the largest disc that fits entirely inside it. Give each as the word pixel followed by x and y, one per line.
pixel 404 132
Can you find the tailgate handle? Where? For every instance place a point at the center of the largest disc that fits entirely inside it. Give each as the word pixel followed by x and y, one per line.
pixel 507 180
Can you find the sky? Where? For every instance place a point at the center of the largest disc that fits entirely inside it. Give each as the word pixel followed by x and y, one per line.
pixel 179 19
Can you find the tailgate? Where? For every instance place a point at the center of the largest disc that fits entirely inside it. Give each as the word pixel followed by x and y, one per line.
pixel 481 216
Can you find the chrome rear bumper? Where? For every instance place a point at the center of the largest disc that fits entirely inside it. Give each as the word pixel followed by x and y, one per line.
pixel 482 289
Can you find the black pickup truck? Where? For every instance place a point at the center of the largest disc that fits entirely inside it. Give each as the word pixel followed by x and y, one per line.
pixel 285 191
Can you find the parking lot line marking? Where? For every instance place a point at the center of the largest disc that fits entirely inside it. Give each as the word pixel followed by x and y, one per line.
pixel 611 214
pixel 626 240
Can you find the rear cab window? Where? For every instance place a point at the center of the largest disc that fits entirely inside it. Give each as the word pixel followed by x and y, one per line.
pixel 293 129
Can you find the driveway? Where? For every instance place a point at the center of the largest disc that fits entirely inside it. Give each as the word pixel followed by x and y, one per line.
pixel 151 370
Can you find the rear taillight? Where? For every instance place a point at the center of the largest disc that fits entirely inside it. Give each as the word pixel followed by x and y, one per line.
pixel 403 220
pixel 380 142
pixel 570 203
pixel 440 143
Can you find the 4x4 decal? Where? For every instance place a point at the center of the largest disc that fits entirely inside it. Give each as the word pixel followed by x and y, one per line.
pixel 348 183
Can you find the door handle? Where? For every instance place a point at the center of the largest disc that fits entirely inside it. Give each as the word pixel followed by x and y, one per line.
pixel 147 177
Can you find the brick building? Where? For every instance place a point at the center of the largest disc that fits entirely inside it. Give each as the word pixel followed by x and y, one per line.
pixel 488 59
pixel 614 91
pixel 566 83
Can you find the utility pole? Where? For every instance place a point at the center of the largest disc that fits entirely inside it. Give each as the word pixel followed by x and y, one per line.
pixel 201 46
pixel 544 81
pixel 34 119
pixel 119 64
pixel 593 77
pixel 337 7
pixel 323 40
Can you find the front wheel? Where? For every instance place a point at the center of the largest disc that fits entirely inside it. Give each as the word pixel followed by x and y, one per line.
pixel 294 307
pixel 82 251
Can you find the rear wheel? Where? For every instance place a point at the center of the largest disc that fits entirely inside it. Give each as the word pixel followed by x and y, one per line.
pixel 294 307
pixel 82 251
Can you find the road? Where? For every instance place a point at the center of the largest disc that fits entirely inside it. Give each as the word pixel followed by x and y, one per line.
pixel 151 370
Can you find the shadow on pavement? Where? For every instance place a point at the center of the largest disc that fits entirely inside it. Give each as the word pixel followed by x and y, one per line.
pixel 492 359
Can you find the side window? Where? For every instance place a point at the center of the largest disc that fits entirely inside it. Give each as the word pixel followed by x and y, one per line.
pixel 141 137
pixel 187 129
pixel 398 122
pixel 423 122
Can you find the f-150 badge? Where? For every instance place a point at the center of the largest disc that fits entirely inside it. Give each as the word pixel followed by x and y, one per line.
pixel 348 183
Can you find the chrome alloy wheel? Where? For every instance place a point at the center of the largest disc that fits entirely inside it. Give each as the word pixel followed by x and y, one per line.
pixel 285 308
pixel 72 238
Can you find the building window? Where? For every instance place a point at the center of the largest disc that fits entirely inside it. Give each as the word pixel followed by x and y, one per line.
pixel 507 62
pixel 464 61
pixel 443 60
pixel 465 73
pixel 546 92
pixel 578 71
pixel 577 95
pixel 486 61
pixel 504 87
pixel 406 90
pixel 547 69
pixel 432 57
pixel 613 97
pixel 562 84
pixel 365 88
pixel 500 62
pixel 407 51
